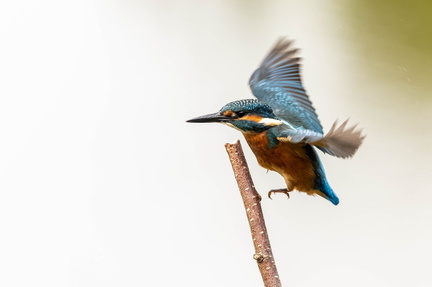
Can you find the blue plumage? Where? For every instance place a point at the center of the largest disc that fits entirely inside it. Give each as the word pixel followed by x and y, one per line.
pixel 277 82
pixel 282 127
pixel 321 182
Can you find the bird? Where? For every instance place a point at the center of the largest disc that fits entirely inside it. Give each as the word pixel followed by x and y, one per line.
pixel 282 128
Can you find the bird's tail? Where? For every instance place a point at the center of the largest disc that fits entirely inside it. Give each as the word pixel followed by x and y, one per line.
pixel 327 192
pixel 341 142
pixel 321 185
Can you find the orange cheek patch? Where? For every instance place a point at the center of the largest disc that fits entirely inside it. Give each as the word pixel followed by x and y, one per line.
pixel 228 114
pixel 253 118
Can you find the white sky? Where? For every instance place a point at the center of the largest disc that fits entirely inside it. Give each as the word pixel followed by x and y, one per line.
pixel 104 184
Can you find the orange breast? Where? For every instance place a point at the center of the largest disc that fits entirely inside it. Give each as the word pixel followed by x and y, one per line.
pixel 288 159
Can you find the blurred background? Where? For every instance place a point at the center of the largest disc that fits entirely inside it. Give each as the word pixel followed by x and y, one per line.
pixel 104 184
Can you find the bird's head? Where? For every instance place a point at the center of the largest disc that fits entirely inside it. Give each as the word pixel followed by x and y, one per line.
pixel 245 115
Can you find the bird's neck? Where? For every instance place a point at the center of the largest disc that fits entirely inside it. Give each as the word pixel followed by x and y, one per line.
pixel 261 140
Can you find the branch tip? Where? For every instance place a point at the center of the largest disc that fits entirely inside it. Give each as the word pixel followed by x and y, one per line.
pixel 251 200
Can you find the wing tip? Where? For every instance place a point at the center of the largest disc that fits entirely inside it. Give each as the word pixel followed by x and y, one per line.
pixel 281 51
pixel 342 141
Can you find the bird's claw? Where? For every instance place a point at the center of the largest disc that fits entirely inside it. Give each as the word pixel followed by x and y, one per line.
pixel 282 190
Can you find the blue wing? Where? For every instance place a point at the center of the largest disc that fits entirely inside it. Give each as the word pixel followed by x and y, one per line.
pixel 277 82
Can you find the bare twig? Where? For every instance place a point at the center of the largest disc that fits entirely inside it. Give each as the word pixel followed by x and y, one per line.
pixel 251 199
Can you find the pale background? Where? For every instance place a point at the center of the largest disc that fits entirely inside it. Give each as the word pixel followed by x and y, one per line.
pixel 102 183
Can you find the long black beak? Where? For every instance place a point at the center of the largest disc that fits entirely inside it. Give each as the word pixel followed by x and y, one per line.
pixel 210 118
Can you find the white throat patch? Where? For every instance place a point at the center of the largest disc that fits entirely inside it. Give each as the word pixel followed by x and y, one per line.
pixel 233 126
pixel 270 122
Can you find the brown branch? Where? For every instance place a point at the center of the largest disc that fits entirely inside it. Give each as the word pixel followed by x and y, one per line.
pixel 251 199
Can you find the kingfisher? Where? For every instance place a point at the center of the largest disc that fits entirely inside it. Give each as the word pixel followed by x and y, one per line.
pixel 282 128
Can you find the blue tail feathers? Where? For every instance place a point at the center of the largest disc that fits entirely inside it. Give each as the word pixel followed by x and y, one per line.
pixel 328 191
pixel 321 183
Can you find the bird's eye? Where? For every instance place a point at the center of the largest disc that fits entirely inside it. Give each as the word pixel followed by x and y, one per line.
pixel 240 114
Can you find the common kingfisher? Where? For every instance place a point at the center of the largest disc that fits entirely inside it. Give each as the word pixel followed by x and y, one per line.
pixel 282 127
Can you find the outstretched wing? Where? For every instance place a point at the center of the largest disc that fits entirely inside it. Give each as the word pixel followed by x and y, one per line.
pixel 341 142
pixel 277 82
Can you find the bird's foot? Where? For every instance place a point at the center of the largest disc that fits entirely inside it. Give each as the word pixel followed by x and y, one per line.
pixel 281 190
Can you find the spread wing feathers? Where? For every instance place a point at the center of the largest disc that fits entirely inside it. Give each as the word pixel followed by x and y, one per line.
pixel 340 142
pixel 299 136
pixel 277 82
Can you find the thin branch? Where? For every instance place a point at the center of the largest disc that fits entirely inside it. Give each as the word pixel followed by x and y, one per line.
pixel 251 199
